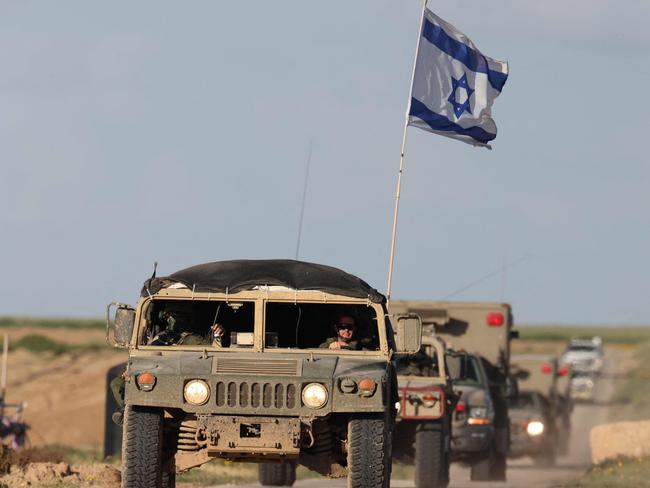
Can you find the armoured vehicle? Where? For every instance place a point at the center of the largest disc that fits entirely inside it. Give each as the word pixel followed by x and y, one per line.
pixel 534 413
pixel 485 330
pixel 426 400
pixel 234 360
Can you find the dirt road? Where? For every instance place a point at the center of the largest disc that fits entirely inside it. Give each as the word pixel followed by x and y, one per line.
pixel 523 473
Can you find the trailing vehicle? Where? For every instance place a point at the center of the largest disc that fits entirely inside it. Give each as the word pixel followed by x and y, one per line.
pixel 534 413
pixel 584 355
pixel 483 330
pixel 426 401
pixel 472 426
pixel 236 360
pixel 582 386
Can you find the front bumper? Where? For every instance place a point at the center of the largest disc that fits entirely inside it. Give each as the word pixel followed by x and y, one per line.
pixel 523 444
pixel 245 436
pixel 471 438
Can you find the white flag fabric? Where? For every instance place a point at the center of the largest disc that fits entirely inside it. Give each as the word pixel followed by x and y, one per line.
pixel 454 84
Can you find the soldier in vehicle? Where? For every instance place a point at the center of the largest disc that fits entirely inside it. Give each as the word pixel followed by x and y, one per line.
pixel 345 328
pixel 177 324
pixel 418 364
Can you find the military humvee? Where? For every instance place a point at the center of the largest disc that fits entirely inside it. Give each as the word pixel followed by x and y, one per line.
pixel 534 413
pixel 265 390
pixel 426 400
pixel 483 329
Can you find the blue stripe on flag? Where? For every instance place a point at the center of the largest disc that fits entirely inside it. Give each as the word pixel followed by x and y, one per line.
pixel 441 123
pixel 462 52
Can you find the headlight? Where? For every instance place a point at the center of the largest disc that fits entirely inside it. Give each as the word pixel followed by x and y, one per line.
pixel 535 428
pixel 314 395
pixel 196 392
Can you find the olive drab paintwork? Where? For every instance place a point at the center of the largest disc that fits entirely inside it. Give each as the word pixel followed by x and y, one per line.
pixel 486 330
pixel 537 372
pixel 426 401
pixel 255 411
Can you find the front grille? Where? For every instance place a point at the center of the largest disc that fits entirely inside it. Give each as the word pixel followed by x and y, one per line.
pixel 257 366
pixel 256 394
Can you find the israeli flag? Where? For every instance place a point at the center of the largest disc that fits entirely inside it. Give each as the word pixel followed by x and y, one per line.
pixel 454 85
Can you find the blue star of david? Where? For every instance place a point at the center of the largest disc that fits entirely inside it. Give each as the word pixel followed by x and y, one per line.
pixel 459 108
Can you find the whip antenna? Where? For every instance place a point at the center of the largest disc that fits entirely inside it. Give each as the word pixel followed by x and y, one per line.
pixel 304 198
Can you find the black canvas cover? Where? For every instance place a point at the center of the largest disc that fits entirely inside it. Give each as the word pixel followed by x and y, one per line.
pixel 238 275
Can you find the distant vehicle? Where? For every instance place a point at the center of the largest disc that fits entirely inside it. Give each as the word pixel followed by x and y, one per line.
pixel 537 412
pixel 584 355
pixel 483 329
pixel 582 386
pixel 473 431
pixel 532 428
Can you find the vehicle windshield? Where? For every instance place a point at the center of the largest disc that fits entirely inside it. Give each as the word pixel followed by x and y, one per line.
pixel 418 364
pixel 199 323
pixel 231 324
pixel 321 326
pixel 582 348
pixel 524 400
pixel 472 376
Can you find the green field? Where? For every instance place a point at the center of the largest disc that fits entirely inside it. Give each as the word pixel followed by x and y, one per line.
pixel 623 334
pixel 52 323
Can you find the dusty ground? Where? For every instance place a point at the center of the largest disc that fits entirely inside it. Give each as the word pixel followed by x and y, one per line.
pixel 64 394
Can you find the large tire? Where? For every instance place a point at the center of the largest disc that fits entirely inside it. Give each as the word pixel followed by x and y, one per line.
pixel 142 448
pixel 499 467
pixel 282 474
pixel 169 480
pixel 431 461
pixel 484 468
pixel 369 453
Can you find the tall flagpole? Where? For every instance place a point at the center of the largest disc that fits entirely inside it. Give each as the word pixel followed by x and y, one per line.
pixel 401 162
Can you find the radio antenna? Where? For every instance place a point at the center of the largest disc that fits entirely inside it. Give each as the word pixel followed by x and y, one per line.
pixel 501 269
pixel 304 198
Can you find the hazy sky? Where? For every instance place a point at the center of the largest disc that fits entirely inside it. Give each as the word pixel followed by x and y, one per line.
pixel 134 132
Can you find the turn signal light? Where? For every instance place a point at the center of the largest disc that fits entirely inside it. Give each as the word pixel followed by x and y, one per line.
pixel 494 319
pixel 367 384
pixel 145 381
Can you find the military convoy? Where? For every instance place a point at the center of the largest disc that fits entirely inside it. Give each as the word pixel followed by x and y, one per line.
pixel 480 424
pixel 281 363
pixel 264 390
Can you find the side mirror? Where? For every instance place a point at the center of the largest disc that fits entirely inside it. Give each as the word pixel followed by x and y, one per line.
pixel 122 324
pixel 512 387
pixel 514 334
pixel 408 333
pixel 456 366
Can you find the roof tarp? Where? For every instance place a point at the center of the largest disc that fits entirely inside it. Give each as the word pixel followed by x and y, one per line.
pixel 238 275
